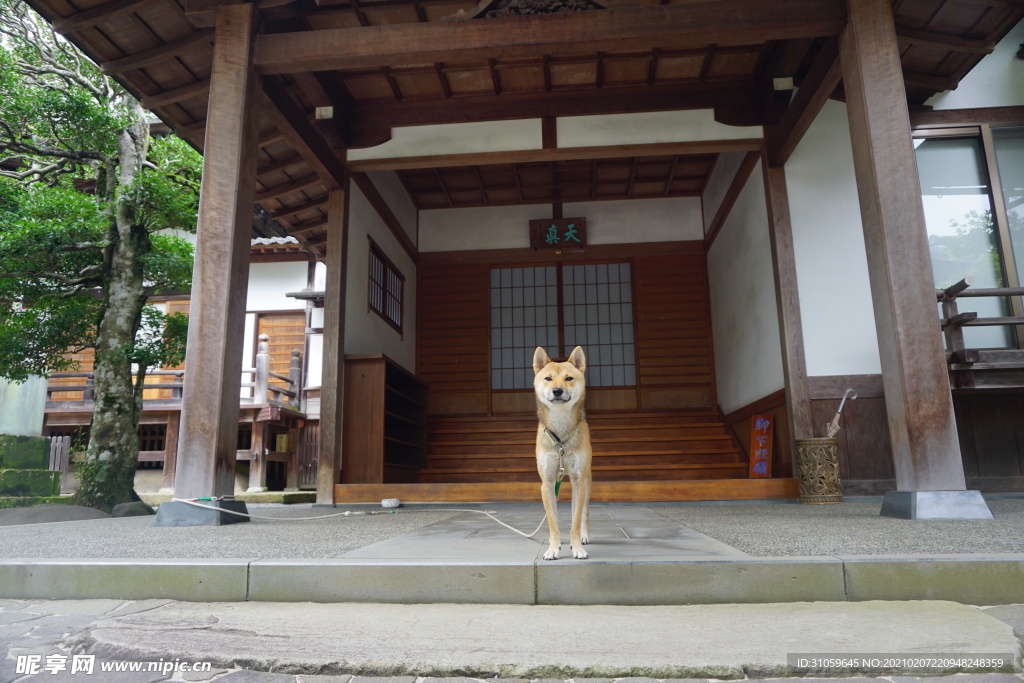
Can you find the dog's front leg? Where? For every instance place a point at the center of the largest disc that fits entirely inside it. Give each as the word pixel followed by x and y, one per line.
pixel 580 516
pixel 547 494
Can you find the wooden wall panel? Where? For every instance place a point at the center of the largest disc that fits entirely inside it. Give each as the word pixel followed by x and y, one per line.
pixel 672 322
pixel 453 341
pixel 864 451
pixel 673 330
pixel 775 405
pixel 287 332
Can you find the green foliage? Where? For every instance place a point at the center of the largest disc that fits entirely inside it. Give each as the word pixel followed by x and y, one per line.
pixel 160 341
pixel 166 195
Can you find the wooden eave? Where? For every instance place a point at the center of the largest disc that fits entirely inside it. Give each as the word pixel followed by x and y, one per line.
pixel 382 64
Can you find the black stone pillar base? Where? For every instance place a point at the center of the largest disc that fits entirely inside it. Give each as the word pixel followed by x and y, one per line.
pixel 180 513
pixel 935 505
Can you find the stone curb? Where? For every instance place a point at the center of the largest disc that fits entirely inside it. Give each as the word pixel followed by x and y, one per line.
pixel 968 579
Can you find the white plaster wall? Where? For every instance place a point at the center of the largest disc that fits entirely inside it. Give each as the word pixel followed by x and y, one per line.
pixel 269 282
pixel 640 220
pixel 486 227
pixel 663 126
pixel 744 318
pixel 398 200
pixel 314 363
pixel 455 138
pixel 718 184
pixel 248 353
pixel 573 131
pixel 613 222
pixel 22 406
pixel 365 331
pixel 997 81
pixel 831 261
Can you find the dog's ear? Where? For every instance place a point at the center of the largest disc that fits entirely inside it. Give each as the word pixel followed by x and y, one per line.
pixel 540 359
pixel 578 359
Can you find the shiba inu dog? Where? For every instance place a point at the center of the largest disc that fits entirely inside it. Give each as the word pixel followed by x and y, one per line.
pixel 563 444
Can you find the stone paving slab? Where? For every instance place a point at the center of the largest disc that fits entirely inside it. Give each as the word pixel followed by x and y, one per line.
pixel 698 641
pixel 617 533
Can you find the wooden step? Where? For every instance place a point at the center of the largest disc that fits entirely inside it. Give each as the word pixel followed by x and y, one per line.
pixel 501 448
pixel 610 491
pixel 613 458
pixel 600 473
pixel 643 433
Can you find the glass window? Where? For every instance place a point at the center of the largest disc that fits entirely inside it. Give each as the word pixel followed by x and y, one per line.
pixel 962 234
pixel 596 313
pixel 385 288
pixel 1009 149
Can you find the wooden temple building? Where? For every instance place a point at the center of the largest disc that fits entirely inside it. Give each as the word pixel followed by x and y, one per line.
pixel 735 206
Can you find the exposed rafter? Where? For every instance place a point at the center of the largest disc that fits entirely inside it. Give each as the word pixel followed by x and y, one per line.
pixel 302 135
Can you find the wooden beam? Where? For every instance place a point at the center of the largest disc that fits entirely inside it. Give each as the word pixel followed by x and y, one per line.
pixel 943 41
pixel 332 387
pixel 787 297
pixel 209 420
pixel 960 117
pixel 159 54
pixel 930 82
pixel 379 205
pixel 509 106
pixel 926 450
pixel 560 154
pixel 691 24
pixel 175 95
pixel 289 118
pixel 821 81
pixel 739 181
pixel 104 12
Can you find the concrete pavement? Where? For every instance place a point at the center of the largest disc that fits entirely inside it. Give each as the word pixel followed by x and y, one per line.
pixel 639 555
pixel 430 597
pixel 298 642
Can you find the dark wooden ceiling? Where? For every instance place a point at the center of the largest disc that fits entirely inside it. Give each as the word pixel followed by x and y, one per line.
pixel 381 64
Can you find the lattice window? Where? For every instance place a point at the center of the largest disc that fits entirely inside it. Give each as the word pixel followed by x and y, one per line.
pixel 598 313
pixel 595 312
pixel 386 286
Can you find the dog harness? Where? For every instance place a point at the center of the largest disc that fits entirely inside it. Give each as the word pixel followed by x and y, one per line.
pixel 560 445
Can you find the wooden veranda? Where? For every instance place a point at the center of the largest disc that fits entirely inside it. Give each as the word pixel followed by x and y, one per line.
pixel 284 96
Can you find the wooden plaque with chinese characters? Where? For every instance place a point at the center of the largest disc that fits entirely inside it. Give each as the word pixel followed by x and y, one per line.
pixel 558 233
pixel 760 446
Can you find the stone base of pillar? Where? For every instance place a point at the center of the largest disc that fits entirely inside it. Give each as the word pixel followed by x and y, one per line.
pixel 179 513
pixel 935 505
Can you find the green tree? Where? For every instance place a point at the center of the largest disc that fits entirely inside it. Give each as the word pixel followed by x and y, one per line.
pixel 86 198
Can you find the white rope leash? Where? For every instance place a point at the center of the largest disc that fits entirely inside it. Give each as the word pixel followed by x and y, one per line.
pixel 359 513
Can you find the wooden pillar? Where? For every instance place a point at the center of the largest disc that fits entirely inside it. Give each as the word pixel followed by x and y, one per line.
pixel 332 385
pixel 206 462
pixel 170 449
pixel 794 362
pixel 258 456
pixel 291 479
pixel 926 452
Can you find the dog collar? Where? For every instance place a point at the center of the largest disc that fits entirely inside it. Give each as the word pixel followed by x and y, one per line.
pixel 559 443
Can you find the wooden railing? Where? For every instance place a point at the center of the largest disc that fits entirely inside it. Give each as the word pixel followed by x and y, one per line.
pixel 954 321
pixel 87 385
pixel 259 386
pixel 261 376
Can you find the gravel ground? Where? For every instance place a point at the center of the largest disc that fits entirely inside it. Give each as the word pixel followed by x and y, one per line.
pixel 136 537
pixel 851 528
pixel 761 529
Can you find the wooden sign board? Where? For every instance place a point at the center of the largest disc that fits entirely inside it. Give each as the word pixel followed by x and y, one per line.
pixel 558 233
pixel 761 430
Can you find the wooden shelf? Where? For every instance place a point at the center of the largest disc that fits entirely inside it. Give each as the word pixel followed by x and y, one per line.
pixel 385 422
